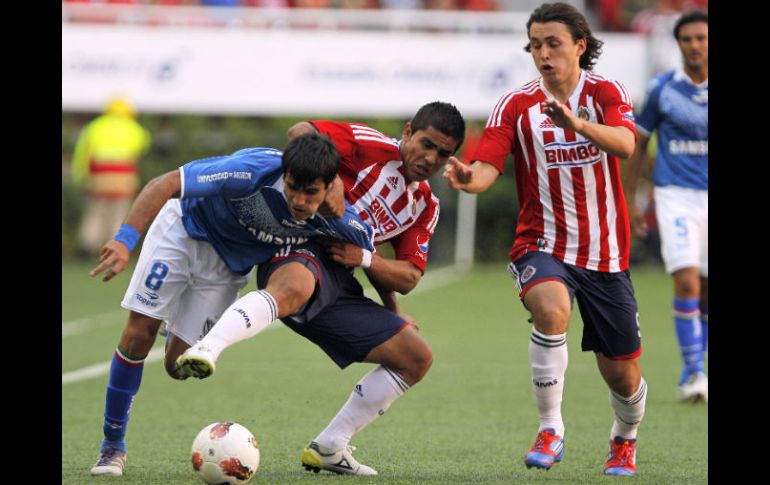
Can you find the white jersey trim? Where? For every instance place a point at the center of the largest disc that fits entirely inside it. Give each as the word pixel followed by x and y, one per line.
pixel 495 119
pixel 181 177
pixel 361 132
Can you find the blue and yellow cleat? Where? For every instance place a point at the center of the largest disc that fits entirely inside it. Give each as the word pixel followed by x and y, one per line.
pixel 547 450
pixel 621 459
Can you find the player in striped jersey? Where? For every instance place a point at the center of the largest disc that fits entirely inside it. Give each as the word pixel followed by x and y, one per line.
pixel 386 184
pixel 677 106
pixel 566 131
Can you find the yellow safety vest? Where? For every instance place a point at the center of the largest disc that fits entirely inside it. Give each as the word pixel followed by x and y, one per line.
pixel 107 155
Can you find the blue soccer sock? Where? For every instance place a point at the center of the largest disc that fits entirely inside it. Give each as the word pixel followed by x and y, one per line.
pixel 688 331
pixel 125 378
pixel 704 321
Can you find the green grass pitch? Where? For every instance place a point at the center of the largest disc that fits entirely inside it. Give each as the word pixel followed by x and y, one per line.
pixel 470 421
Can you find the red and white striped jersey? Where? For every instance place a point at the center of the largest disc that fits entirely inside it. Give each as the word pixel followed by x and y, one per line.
pixel 373 173
pixel 570 194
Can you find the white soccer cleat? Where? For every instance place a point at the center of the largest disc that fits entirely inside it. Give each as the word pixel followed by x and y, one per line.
pixel 197 361
pixel 110 463
pixel 695 388
pixel 313 459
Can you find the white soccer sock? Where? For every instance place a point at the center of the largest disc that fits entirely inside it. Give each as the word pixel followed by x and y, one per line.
pixel 629 412
pixel 548 360
pixel 245 318
pixel 371 397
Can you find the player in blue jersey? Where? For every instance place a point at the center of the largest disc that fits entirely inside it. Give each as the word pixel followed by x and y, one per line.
pixel 216 219
pixel 677 107
pixel 329 308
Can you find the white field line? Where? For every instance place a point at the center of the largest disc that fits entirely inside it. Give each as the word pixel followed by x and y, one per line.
pixel 80 325
pixel 103 368
pixel 433 280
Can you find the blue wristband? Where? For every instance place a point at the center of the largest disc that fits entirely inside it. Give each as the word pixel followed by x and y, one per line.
pixel 128 236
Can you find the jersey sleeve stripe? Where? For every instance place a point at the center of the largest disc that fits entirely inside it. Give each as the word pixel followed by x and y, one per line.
pixel 365 132
pixel 378 139
pixel 622 90
pixel 496 116
pixel 360 129
pixel 434 220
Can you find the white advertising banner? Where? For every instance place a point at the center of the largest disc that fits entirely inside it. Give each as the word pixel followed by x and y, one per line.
pixel 307 73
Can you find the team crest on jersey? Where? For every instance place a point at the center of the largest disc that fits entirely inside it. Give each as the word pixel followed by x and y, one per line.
pixel 422 242
pixel 626 112
pixel 527 274
pixel 583 113
pixel 393 182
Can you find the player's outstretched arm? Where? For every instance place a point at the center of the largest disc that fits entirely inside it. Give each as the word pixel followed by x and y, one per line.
pixel 115 253
pixel 633 173
pixel 475 178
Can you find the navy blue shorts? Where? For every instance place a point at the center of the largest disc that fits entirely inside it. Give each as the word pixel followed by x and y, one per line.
pixel 606 302
pixel 338 317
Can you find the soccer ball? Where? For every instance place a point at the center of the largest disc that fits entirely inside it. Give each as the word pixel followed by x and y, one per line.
pixel 225 453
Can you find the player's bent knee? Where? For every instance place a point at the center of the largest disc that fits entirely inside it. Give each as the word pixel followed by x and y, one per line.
pixel 422 365
pixel 552 319
pixel 291 286
pixel 420 359
pixel 290 299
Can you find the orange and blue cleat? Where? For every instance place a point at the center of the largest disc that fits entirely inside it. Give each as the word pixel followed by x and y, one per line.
pixel 547 450
pixel 621 459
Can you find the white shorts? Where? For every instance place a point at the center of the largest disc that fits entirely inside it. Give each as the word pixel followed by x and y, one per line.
pixel 179 279
pixel 683 222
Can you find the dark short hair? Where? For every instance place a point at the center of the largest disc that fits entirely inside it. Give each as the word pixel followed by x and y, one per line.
pixel 577 24
pixel 689 18
pixel 310 157
pixel 444 117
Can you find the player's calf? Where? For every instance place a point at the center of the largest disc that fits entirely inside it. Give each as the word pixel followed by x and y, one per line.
pixel 407 353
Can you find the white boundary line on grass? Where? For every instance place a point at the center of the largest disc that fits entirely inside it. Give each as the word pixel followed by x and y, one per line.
pixel 433 280
pixel 80 325
pixel 103 368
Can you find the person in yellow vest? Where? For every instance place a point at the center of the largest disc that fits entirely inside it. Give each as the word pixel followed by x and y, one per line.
pixel 106 165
